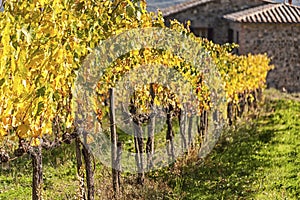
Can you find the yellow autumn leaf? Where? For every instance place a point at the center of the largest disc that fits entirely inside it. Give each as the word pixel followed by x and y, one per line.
pixel 22 130
pixel 35 142
pixel 69 121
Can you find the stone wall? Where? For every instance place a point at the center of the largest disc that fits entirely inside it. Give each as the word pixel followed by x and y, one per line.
pixel 210 15
pixel 281 42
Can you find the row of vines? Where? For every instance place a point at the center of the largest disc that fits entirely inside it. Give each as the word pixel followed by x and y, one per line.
pixel 43 47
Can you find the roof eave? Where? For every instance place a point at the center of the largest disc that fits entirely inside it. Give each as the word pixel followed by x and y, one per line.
pixel 183 7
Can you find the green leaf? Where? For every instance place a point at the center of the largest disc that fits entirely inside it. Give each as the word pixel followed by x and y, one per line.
pixel 41 91
pixel 2 81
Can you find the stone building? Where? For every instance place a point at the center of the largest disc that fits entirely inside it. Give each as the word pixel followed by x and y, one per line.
pixel 258 26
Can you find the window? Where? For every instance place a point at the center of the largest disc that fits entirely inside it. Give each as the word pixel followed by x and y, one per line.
pixel 210 33
pixel 233 37
pixel 230 35
pixel 203 32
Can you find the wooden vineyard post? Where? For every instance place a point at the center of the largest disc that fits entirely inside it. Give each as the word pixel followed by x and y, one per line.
pixel 118 163
pixel 114 140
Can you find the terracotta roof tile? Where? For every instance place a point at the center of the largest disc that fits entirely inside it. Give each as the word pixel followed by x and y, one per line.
pixel 269 13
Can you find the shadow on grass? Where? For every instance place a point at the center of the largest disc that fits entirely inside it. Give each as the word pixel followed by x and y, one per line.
pixel 235 168
pixel 229 172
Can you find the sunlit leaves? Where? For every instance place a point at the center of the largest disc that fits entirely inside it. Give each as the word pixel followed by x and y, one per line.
pixel 43 43
pixel 242 74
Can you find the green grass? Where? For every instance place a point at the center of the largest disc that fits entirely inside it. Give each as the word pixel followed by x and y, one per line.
pixel 59 175
pixel 257 158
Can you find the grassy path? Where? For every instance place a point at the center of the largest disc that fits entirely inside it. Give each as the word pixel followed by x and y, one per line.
pixel 258 160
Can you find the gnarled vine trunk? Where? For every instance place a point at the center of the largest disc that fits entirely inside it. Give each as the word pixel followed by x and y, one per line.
pixel 182 127
pixel 37 174
pixel 190 129
pixel 80 172
pixel 151 130
pixel 170 134
pixel 150 142
pixel 139 146
pixel 89 170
